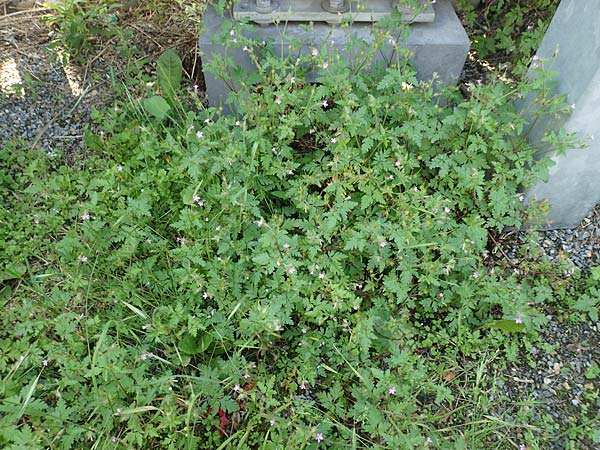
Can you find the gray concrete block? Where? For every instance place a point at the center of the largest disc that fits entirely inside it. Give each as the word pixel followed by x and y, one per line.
pixel 573 187
pixel 438 47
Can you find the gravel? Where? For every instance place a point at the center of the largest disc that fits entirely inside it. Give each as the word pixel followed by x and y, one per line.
pixel 557 386
pixel 46 109
pixel 581 245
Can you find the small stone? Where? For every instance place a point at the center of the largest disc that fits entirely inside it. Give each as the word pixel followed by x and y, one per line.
pixel 547 380
pixel 556 368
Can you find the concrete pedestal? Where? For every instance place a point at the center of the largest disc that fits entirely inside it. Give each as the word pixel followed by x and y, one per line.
pixel 438 47
pixel 573 188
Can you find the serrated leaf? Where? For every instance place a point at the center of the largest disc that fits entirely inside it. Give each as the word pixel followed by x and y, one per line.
pixel 169 72
pixel 509 326
pixel 157 106
pixel 588 304
pixel 13 271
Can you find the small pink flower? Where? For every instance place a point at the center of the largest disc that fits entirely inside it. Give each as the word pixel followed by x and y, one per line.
pixel 397 163
pixel 573 106
pixel 333 140
pixel 36 221
pixel 429 440
pixel 447 210
pixel 143 356
pixel 113 439
pixel 119 411
pixel 85 216
pixel 521 198
pixel 303 386
pixel 315 52
pixel 292 269
pixel 83 258
pixel 325 65
pixel 247 375
pixel 319 437
pixel 119 168
pixel 441 295
pixel 476 275
pixel 286 245
pixel 522 447
pixel 292 80
pixel 383 244
pixel 237 388
pixel 518 320
pixel 303 330
pixel 272 422
pixel 205 295
pixel 45 363
pixel 392 391
pixel 237 123
pixel 260 223
pixel 199 134
pixel 232 32
pixel 321 276
pixel 278 101
pixel 325 104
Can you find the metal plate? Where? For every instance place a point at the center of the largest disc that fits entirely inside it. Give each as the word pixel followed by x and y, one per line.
pixel 312 11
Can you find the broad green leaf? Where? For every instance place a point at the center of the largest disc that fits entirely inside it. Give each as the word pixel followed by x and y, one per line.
pixel 169 72
pixel 194 345
pixel 141 409
pixel 157 106
pixel 508 326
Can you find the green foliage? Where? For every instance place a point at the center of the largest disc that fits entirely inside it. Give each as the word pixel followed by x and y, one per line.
pixel 81 22
pixel 302 273
pixel 514 28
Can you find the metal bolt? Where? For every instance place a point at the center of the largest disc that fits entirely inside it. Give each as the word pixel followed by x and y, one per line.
pixel 264 6
pixel 335 6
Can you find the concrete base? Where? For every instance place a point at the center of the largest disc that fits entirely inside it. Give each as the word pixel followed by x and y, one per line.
pixel 573 188
pixel 438 47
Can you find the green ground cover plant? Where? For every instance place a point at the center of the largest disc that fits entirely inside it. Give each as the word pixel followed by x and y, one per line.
pixel 510 30
pixel 315 270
